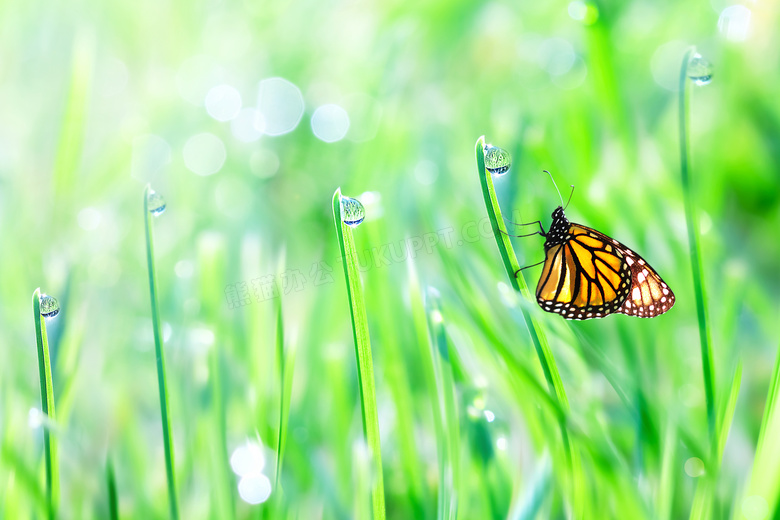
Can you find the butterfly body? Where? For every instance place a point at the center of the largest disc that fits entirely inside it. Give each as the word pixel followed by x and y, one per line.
pixel 587 275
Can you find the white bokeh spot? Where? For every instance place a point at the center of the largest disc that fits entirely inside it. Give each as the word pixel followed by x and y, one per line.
pixel 204 154
pixel 330 123
pixel 281 105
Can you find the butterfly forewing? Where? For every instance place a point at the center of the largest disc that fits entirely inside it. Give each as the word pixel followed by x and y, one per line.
pixel 584 277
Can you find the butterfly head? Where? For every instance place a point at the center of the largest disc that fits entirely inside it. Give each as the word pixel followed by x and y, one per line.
pixel 559 229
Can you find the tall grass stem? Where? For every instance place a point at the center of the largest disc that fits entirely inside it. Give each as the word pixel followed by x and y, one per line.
pixel 365 366
pixel 47 407
pixel 692 221
pixel 538 337
pixel 158 348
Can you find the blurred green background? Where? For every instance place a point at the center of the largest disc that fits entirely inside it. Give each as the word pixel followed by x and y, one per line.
pixel 246 117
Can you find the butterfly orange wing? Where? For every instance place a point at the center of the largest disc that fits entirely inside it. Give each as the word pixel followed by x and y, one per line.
pixel 584 277
pixel 591 275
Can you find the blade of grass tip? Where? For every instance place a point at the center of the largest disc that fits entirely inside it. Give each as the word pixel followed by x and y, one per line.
pixel 765 478
pixel 448 434
pixel 365 366
pixel 47 406
pixel 771 403
pixel 728 413
pixel 538 337
pixel 281 362
pixel 286 369
pixel 691 222
pixel 158 348
pixel 113 501
pixel 424 343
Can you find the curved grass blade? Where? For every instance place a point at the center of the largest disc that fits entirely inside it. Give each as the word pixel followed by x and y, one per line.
pixel 47 406
pixel 692 223
pixel 538 337
pixel 511 265
pixel 286 362
pixel 765 475
pixel 365 366
pixel 445 413
pixel 158 348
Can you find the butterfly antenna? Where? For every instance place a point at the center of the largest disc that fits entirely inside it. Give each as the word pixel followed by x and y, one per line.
pixel 556 186
pixel 570 195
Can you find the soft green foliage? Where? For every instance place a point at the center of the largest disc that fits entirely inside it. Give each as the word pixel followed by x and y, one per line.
pixel 101 98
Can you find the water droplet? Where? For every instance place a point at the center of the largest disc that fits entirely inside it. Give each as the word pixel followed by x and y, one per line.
pixel 699 70
pixel 497 160
pixel 50 307
pixel 155 203
pixel 352 211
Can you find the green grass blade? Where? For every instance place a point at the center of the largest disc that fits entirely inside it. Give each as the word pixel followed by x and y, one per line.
pixel 692 223
pixel 728 412
pixel 211 257
pixel 113 500
pixel 448 424
pixel 158 348
pixel 765 476
pixel 538 337
pixel 365 367
pixel 286 367
pixel 511 265
pixel 423 340
pixel 47 406
pixel 221 478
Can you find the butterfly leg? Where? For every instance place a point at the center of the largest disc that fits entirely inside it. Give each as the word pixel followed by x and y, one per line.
pixel 526 267
pixel 543 233
pixel 519 236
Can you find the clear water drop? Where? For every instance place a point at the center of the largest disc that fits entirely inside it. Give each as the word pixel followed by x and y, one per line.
pixel 155 203
pixel 497 160
pixel 699 70
pixel 352 211
pixel 50 307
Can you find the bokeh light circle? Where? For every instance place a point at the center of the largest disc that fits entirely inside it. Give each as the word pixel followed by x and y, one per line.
pixel 330 123
pixel 204 154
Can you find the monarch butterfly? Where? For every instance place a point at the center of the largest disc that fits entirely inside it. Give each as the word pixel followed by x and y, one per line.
pixel 587 274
